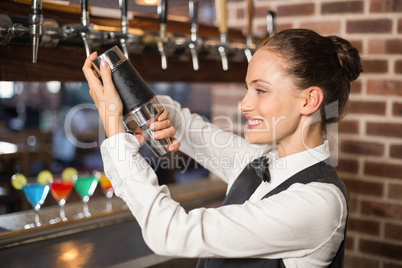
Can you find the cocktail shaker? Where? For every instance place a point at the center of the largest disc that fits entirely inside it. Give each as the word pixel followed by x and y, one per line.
pixel 140 106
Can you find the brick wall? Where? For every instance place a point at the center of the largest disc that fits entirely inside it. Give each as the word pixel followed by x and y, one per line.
pixel 370 151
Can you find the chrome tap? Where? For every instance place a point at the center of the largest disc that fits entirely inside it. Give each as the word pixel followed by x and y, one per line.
pixel 250 15
pixel 271 23
pixel 162 11
pixel 223 30
pixel 85 22
pixel 193 8
pixel 124 30
pixel 9 30
pixel 35 26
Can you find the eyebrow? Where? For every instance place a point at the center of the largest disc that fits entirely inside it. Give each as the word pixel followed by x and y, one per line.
pixel 259 81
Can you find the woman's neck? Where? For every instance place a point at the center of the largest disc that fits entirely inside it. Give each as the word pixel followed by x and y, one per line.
pixel 303 139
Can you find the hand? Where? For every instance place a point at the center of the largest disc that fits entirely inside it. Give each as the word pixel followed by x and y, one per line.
pixel 163 129
pixel 105 97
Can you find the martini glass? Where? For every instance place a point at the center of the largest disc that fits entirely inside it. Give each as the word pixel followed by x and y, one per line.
pixel 60 190
pixel 107 189
pixel 36 194
pixel 85 186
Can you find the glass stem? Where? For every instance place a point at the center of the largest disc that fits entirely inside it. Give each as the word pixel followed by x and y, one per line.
pixel 62 213
pixel 36 219
pixel 85 206
pixel 109 196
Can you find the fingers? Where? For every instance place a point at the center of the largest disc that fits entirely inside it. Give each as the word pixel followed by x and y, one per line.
pixel 164 115
pixel 164 133
pixel 174 147
pixel 159 125
pixel 106 74
pixel 93 81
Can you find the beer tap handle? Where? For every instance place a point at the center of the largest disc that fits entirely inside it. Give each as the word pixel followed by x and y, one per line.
pixel 162 11
pixel 17 29
pixel 35 26
pixel 250 13
pixel 271 23
pixel 85 22
pixel 9 30
pixel 193 8
pixel 250 16
pixel 124 25
pixel 223 30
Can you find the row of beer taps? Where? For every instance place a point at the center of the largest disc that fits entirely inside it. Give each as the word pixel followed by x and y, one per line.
pixel 49 33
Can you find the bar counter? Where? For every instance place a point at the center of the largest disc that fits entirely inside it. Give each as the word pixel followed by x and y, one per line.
pixel 106 239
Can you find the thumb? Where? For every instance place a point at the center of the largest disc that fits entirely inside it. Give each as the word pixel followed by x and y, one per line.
pixel 106 75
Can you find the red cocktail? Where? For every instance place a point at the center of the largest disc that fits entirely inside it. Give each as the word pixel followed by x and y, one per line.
pixel 60 190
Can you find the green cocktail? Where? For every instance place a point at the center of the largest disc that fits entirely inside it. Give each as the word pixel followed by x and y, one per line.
pixel 85 186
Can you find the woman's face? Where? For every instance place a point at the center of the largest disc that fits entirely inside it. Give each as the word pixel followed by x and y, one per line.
pixel 272 102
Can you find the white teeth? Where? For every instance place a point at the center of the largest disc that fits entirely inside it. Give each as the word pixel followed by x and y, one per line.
pixel 254 122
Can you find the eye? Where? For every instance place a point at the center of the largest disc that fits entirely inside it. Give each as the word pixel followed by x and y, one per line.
pixel 260 91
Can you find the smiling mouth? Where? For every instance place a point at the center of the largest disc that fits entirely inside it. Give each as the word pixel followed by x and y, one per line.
pixel 253 123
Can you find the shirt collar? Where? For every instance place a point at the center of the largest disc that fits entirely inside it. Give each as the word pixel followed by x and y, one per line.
pixel 283 168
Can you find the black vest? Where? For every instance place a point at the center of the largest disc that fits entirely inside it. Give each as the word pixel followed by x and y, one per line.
pixel 320 172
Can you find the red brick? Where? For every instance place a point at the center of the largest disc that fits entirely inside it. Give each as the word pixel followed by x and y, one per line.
pixel 362 148
pixel 358 44
pixel 347 165
pixel 385 46
pixel 327 28
pixel 382 210
pixel 361 262
pixel 384 87
pixel 384 249
pixel 369 26
pixel 355 87
pixel 382 6
pixel 400 26
pixel 383 169
pixel 398 66
pixel 349 243
pixel 367 107
pixel 342 7
pixel 384 129
pixel 394 191
pixel 393 231
pixel 364 226
pixel 354 204
pixel 362 187
pixel 296 10
pixel 350 127
pixel 375 66
pixel 396 151
pixel 393 46
pixel 397 109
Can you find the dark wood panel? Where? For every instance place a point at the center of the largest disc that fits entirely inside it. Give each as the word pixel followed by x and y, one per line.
pixel 64 63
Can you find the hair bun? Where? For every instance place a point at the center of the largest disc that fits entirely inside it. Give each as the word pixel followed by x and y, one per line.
pixel 348 58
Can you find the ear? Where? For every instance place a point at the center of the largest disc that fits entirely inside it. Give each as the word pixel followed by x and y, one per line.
pixel 313 98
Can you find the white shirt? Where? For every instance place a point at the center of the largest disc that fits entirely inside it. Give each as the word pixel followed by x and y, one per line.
pixel 303 225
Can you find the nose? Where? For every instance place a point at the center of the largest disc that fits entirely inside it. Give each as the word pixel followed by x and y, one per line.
pixel 246 104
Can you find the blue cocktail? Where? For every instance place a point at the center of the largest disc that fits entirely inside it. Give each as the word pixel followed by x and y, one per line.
pixel 36 194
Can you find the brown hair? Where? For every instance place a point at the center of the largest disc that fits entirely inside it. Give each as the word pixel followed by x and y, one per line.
pixel 329 63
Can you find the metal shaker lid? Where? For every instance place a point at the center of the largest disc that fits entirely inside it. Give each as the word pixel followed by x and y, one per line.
pixel 114 57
